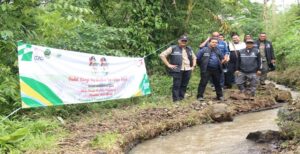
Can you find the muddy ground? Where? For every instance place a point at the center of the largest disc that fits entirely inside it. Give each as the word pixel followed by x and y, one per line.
pixel 135 124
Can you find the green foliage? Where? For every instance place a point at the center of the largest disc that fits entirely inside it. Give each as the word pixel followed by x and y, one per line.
pixel 7 141
pixel 245 17
pixel 9 90
pixel 286 40
pixel 26 135
pixel 118 28
pixel 108 27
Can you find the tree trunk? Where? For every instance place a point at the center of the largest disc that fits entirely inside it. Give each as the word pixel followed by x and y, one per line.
pixel 189 11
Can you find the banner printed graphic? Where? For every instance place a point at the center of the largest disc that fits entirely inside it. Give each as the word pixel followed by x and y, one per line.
pixel 50 77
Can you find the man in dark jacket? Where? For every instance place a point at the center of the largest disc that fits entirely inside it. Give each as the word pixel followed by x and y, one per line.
pixel 223 48
pixel 181 62
pixel 248 67
pixel 210 60
pixel 267 54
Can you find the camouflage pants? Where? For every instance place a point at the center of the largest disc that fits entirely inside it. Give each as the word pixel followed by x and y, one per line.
pixel 243 78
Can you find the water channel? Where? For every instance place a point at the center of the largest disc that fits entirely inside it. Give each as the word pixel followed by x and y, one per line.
pixel 222 138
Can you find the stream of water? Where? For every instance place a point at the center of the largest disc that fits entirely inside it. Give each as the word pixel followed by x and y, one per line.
pixel 221 138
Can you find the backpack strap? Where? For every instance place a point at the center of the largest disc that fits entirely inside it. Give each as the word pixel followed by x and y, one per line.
pixel 235 51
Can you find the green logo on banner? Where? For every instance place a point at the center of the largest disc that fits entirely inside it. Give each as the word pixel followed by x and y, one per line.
pixel 145 85
pixel 47 53
pixel 26 56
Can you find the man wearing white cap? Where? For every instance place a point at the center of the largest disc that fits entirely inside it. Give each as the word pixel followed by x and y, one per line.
pixel 181 62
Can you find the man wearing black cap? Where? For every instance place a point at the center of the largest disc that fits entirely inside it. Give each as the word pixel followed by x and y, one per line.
pixel 181 62
pixel 248 67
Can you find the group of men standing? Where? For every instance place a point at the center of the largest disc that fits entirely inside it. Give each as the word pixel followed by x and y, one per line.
pixel 222 63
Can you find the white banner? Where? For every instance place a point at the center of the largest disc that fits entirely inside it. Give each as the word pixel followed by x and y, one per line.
pixel 51 76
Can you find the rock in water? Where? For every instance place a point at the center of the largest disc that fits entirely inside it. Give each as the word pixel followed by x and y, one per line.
pixel 220 112
pixel 283 96
pixel 264 136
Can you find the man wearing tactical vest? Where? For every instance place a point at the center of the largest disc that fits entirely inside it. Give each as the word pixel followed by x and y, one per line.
pixel 248 67
pixel 265 48
pixel 210 60
pixel 181 62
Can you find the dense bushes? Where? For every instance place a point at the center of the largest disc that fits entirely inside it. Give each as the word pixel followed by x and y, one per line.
pixel 118 27
pixel 29 135
pixel 286 40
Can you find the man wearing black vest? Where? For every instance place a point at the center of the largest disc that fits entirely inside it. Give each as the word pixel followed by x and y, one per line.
pixel 181 62
pixel 248 67
pixel 210 60
pixel 265 48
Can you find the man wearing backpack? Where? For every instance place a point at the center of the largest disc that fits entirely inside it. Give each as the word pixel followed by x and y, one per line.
pixel 181 62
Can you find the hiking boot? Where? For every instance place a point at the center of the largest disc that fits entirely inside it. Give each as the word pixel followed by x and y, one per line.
pixel 262 83
pixel 241 92
pixel 220 98
pixel 200 99
pixel 227 87
pixel 176 101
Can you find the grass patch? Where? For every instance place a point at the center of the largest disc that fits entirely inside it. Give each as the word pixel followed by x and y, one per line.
pixel 19 136
pixel 106 140
pixel 288 77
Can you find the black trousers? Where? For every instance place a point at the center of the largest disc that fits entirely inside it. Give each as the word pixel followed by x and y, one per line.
pixel 215 75
pixel 229 76
pixel 180 81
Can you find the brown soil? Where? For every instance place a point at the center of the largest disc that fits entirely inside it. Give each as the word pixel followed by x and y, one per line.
pixel 137 124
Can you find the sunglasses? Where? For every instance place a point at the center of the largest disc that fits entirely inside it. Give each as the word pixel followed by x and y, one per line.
pixel 183 40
